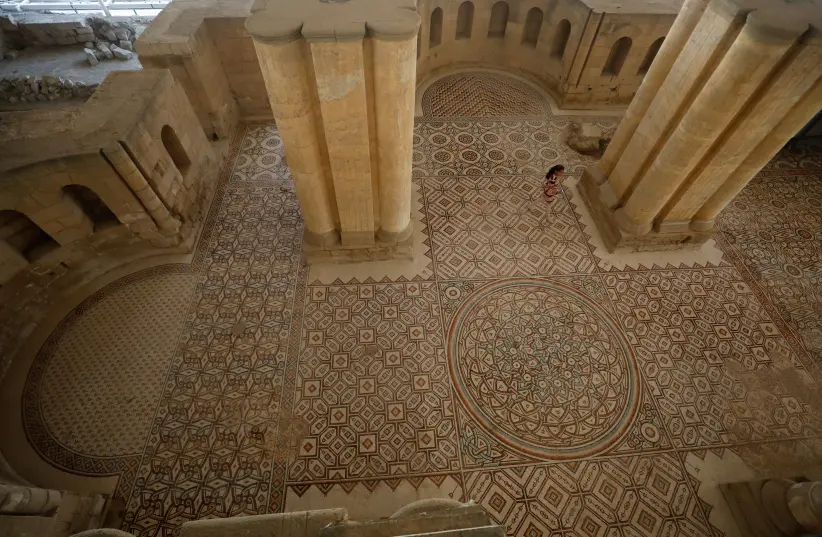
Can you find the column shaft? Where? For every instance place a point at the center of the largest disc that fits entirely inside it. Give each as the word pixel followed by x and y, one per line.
pixel 117 156
pixel 798 117
pixel 715 31
pixel 747 64
pixel 674 42
pixel 781 95
pixel 284 66
pixel 394 76
pixel 340 76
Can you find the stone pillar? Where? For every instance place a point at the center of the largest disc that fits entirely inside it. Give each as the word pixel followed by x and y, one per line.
pixel 394 100
pixel 732 81
pixel 775 507
pixel 283 63
pixel 339 73
pixel 121 161
pixel 340 78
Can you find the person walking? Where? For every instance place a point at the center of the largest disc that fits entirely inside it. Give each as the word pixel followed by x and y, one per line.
pixel 551 187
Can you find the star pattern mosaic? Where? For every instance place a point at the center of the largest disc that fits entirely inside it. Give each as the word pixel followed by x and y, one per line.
pixel 562 396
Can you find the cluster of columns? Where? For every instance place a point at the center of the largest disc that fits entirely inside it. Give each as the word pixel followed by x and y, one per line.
pixel 775 507
pixel 340 78
pixel 732 83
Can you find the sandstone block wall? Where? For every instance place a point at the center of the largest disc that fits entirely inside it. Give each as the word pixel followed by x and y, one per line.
pixel 565 48
pixel 67 30
pixel 245 79
pixel 595 85
pixel 510 52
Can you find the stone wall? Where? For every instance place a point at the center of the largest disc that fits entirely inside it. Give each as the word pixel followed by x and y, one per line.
pixel 564 48
pixel 536 60
pixel 128 171
pixel 45 30
pixel 595 84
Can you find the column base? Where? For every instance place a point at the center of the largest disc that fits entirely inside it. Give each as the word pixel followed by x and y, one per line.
pixel 388 237
pixel 760 507
pixel 599 201
pixel 340 253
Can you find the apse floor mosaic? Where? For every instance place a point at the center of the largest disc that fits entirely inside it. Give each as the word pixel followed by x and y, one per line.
pixel 514 369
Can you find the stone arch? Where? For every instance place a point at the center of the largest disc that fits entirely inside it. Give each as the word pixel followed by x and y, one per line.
pixel 92 205
pixel 175 149
pixel 465 20
pixel 499 20
pixel 561 39
pixel 617 57
pixel 533 25
pixel 650 56
pixel 24 236
pixel 435 28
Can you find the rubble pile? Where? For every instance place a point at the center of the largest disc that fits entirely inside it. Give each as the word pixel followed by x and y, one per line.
pixel 46 88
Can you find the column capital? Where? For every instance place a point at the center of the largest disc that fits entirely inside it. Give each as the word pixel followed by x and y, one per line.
pixel 281 21
pixel 780 19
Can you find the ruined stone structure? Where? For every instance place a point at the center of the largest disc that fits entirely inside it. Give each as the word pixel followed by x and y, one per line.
pixel 129 170
pixel 587 54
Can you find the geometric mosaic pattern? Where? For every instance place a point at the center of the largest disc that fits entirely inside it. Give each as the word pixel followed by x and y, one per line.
pixel 261 157
pixel 480 94
pixel 781 248
pixel 689 329
pixel 561 395
pixel 497 147
pixel 636 496
pixel 499 226
pixel 543 369
pixel 115 330
pixel 373 385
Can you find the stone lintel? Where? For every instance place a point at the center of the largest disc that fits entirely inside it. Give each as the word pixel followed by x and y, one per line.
pixel 779 20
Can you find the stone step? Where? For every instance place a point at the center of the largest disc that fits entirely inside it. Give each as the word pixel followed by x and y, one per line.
pixel 459 518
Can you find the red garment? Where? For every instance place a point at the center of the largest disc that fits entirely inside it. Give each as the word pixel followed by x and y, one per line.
pixel 551 188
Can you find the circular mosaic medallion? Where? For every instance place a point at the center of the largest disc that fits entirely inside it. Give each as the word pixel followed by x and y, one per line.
pixel 543 369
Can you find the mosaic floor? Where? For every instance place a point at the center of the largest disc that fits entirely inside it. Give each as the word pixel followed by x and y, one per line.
pixel 513 364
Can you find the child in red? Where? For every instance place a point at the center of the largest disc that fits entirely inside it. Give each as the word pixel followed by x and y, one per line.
pixel 551 188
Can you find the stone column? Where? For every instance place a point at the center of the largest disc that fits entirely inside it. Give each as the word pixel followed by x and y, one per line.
pixel 340 78
pixel 121 161
pixel 283 63
pixel 744 65
pixel 394 99
pixel 802 112
pixel 339 73
pixel 684 25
